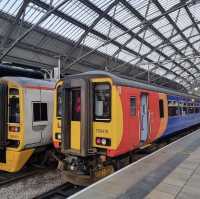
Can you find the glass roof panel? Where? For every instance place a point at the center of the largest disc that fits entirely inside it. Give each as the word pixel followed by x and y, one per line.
pixel 92 41
pixel 33 13
pixel 167 4
pixel 195 11
pixel 102 4
pixel 138 4
pixel 183 20
pixel 10 6
pixel 125 56
pixel 108 49
pixel 79 11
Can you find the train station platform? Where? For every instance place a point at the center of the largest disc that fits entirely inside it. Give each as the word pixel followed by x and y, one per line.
pixel 171 172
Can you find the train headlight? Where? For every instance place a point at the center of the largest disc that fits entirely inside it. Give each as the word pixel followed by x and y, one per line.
pixel 98 140
pixel 103 141
pixel 14 128
pixel 58 136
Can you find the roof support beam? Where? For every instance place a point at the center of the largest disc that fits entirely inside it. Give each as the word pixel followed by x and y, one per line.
pixel 132 34
pixel 45 16
pixel 95 22
pixel 102 36
pixel 156 2
pixel 139 16
pixel 12 25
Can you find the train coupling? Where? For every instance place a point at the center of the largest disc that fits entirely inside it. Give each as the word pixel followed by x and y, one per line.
pixel 76 164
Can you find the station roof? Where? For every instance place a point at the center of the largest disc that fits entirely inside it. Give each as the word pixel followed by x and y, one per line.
pixel 157 41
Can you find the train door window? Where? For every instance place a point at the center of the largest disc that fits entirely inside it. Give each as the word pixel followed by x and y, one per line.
pixel 40 112
pixel 133 106
pixel 102 102
pixel 14 110
pixel 76 104
pixel 161 108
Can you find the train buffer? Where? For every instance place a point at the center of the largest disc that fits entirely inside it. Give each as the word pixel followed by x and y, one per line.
pixel 171 172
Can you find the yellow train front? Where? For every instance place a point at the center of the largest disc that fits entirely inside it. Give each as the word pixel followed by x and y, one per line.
pixel 25 120
pixel 106 118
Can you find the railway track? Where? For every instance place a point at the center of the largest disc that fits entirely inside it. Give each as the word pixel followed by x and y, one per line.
pixel 60 192
pixel 9 178
pixel 69 189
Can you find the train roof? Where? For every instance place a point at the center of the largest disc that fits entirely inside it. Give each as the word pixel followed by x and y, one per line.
pixel 30 82
pixel 126 82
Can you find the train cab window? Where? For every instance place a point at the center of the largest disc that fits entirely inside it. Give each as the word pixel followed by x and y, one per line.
pixel 59 101
pixel 14 110
pixel 161 108
pixel 133 106
pixel 102 102
pixel 40 112
pixel 76 104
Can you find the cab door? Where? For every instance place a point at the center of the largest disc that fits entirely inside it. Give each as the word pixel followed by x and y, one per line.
pixel 76 116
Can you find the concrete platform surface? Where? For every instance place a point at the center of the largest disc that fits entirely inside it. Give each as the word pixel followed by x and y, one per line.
pixel 171 172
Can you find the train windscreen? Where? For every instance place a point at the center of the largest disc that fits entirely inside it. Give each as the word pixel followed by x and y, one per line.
pixel 14 111
pixel 102 102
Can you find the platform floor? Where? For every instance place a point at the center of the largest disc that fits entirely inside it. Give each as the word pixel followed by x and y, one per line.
pixel 171 172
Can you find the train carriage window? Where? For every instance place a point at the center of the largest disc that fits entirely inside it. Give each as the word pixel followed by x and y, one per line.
pixel 44 115
pixel 133 106
pixel 76 104
pixel 197 110
pixel 40 112
pixel 161 108
pixel 173 110
pixel 102 102
pixel 14 110
pixel 184 110
pixel 191 110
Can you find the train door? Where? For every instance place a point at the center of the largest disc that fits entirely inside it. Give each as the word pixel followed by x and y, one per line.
pixel 46 110
pixel 32 117
pixel 144 129
pixel 75 126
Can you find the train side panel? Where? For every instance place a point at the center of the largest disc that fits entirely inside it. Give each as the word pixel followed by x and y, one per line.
pixel 131 136
pixel 182 119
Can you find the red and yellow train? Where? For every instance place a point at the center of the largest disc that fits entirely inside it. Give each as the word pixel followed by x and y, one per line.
pixel 105 117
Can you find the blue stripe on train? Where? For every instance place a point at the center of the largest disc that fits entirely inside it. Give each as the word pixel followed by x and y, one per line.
pixel 177 123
